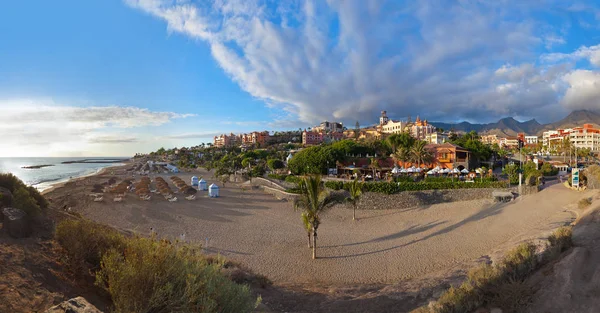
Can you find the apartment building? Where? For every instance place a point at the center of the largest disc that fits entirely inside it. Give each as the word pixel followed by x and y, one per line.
pixel 436 138
pixel 329 127
pixel 420 129
pixel 586 137
pixel 315 138
pixel 224 140
pixel 490 139
pixel 389 126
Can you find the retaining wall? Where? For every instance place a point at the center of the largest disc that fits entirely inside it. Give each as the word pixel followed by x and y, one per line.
pixel 409 199
pixel 279 194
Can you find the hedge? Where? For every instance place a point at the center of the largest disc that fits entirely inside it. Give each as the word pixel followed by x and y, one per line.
pixel 277 176
pixel 391 188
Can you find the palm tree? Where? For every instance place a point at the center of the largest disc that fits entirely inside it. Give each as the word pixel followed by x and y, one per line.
pixel 355 190
pixel 307 226
pixel 313 200
pixel 420 154
pixel 402 154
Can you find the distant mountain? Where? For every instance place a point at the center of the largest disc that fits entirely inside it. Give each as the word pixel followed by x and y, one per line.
pixel 508 126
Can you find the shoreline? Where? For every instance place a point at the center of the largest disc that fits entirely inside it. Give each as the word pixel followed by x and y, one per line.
pixel 60 184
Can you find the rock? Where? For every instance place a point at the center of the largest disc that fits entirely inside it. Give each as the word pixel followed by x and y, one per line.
pixel 495 310
pixel 15 222
pixel 75 305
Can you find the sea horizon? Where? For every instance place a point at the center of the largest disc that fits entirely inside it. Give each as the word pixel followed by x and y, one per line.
pixel 45 177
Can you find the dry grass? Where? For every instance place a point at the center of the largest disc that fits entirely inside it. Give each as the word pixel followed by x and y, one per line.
pixel 584 203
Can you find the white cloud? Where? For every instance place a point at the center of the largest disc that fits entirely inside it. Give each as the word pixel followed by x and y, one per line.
pixel 41 127
pixel 591 54
pixel 348 59
pixel 583 91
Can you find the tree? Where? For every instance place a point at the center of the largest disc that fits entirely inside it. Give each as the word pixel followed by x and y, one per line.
pixel 355 190
pixel 275 164
pixel 356 130
pixel 420 154
pixel 313 200
pixel 307 227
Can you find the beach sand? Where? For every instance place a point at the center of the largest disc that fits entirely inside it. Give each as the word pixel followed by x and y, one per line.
pixel 382 246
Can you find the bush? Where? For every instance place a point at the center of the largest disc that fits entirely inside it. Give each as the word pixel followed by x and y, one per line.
pixel 294 190
pixel 584 203
pixel 275 164
pixel 157 276
pixel 24 201
pixel 391 188
pixel 561 240
pixel 146 275
pixel 548 170
pixel 277 176
pixel 293 179
pixel 86 242
pixel 13 183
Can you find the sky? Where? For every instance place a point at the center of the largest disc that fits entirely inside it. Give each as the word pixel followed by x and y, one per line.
pixel 116 77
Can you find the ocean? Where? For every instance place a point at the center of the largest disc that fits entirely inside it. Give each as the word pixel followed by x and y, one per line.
pixel 43 178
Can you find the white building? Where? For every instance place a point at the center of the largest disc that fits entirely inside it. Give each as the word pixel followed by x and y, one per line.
pixel 393 127
pixel 531 140
pixel 436 138
pixel 329 127
pixel 585 137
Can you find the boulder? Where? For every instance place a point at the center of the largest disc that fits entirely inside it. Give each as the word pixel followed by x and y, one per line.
pixel 15 222
pixel 75 305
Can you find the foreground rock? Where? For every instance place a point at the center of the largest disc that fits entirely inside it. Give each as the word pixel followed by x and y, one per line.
pixel 15 222
pixel 75 305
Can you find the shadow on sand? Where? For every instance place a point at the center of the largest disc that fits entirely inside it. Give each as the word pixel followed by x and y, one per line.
pixel 483 214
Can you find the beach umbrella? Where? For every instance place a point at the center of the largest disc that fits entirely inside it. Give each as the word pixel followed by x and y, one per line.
pixel 431 172
pixel 465 171
pixel 410 170
pixel 404 171
pixel 446 171
pixel 395 170
pixel 418 170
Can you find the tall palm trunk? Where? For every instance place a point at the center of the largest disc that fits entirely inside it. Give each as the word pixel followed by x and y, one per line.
pixel 309 245
pixel 314 247
pixel 354 212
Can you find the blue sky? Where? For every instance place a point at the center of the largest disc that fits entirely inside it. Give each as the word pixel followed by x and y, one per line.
pixel 110 77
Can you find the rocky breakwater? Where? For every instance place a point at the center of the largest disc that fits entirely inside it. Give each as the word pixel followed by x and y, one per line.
pixel 409 199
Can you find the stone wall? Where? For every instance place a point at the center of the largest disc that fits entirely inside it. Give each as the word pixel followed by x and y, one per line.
pixel 279 194
pixel 258 181
pixel 409 199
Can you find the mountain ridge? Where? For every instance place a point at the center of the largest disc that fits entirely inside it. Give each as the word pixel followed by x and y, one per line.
pixel 510 127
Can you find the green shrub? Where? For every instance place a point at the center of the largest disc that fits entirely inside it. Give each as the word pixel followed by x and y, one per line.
pixel 548 170
pixel 584 203
pixel 277 176
pixel 13 183
pixel 24 201
pixel 157 276
pixel 293 179
pixel 294 190
pixel 391 188
pixel 85 241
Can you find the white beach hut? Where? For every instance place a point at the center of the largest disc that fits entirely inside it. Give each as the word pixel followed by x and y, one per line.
pixel 213 191
pixel 289 157
pixel 194 181
pixel 202 185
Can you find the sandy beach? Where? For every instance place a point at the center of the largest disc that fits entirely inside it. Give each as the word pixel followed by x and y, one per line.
pixel 266 234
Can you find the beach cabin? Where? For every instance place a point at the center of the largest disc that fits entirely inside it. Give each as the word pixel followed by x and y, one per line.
pixel 194 181
pixel 213 191
pixel 202 185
